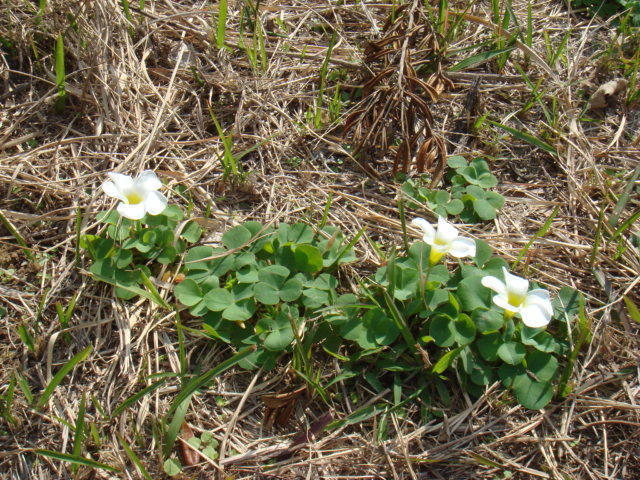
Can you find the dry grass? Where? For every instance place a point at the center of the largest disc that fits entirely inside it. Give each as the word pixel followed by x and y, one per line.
pixel 139 96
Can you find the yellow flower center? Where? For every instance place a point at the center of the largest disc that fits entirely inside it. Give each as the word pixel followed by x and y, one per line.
pixel 134 198
pixel 515 299
pixel 435 256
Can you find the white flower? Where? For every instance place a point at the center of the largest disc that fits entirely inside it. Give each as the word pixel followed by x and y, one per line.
pixel 534 306
pixel 139 196
pixel 444 239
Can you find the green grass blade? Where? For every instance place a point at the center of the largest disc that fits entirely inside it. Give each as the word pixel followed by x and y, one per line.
pixel 222 23
pixel 79 435
pixel 26 337
pixel 127 10
pixel 174 426
pixel 77 255
pixel 627 223
pixel 400 322
pixel 42 6
pixel 446 360
pixel 75 459
pixel 347 247
pixel 202 380
pixel 360 415
pixel 325 212
pixel 403 224
pixel 536 142
pixel 153 296
pixel 157 298
pixel 228 160
pixel 584 332
pixel 478 59
pixel 24 388
pixel 134 458
pixel 60 73
pixel 137 396
pixel 632 309
pixel 624 197
pixel 16 234
pixel 539 234
pixel 67 367
pixel 316 385
pixel 443 16
pixel 597 238
pixel 6 402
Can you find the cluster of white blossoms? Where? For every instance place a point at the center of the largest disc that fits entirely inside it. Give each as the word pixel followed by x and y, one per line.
pixel 512 293
pixel 140 196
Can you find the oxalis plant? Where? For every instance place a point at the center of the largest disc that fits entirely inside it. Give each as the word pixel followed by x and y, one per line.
pixel 473 320
pixel 272 291
pixel 140 239
pixel 262 286
pixel 267 286
pixel 469 194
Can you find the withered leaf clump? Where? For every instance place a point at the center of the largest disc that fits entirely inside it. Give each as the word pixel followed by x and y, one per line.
pixel 606 93
pixel 403 78
pixel 280 406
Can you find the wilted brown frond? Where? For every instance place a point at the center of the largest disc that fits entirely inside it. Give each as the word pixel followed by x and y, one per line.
pixel 404 77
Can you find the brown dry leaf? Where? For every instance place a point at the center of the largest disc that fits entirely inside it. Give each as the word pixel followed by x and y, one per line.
pixel 188 456
pixel 314 429
pixel 279 407
pixel 605 94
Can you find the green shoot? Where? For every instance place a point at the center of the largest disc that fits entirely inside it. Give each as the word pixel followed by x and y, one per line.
pixel 228 160
pixel 134 458
pixel 16 234
pixel 222 23
pixel 539 234
pixel 526 137
pixel 80 434
pixel 127 10
pixel 60 74
pixel 57 379
pixel 76 459
pixel 323 83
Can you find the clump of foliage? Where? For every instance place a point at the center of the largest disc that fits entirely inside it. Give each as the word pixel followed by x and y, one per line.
pixel 268 287
pixel 128 252
pixel 272 290
pixel 469 195
pixel 418 311
pixel 608 8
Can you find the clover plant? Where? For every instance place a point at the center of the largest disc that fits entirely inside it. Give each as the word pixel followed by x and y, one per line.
pixel 274 287
pixel 417 308
pixel 266 286
pixel 468 196
pixel 129 252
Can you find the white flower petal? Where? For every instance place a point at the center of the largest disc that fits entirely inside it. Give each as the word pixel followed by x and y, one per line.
pixel 122 182
pixel 495 284
pixel 502 302
pixel 517 286
pixel 110 189
pixel 534 316
pixel 446 232
pixel 463 247
pixel 541 298
pixel 133 212
pixel 440 248
pixel 155 203
pixel 148 181
pixel 428 231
